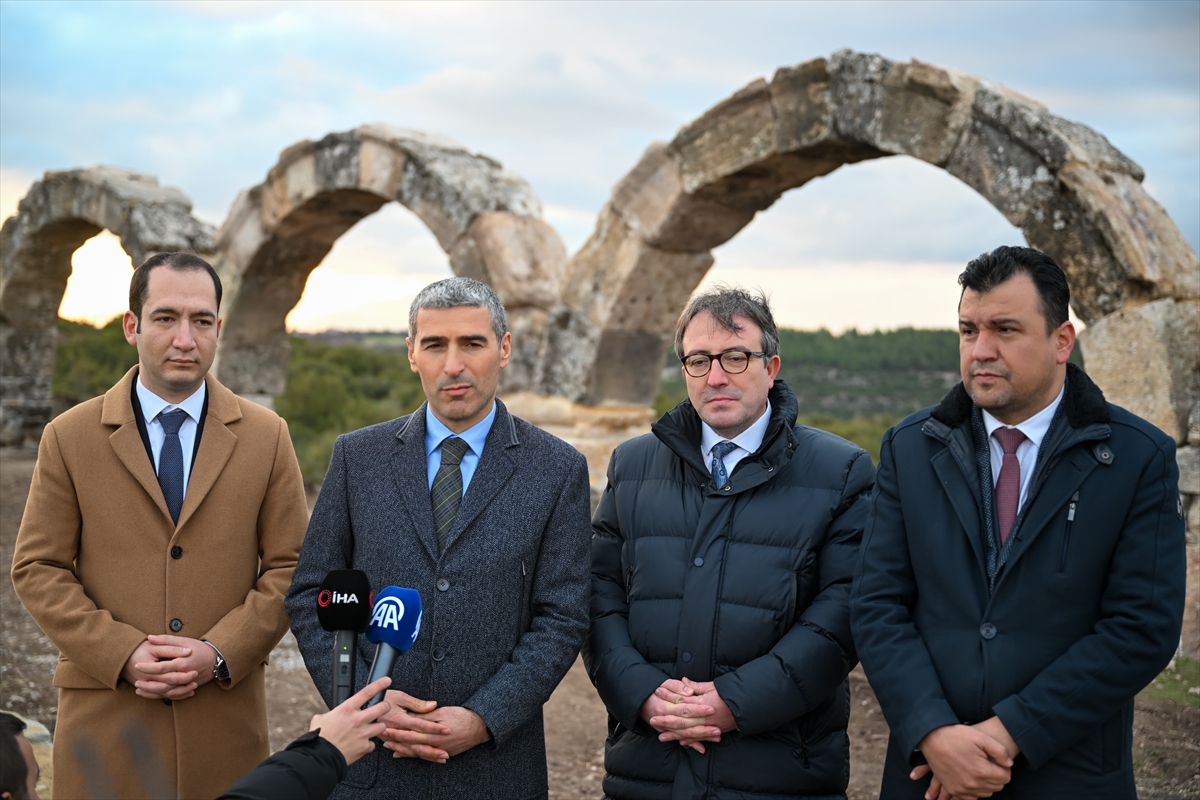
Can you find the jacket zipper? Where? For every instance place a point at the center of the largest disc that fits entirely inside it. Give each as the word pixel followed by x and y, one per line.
pixel 1062 557
pixel 629 584
pixel 521 608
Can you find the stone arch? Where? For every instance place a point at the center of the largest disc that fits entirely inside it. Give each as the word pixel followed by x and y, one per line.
pixel 59 214
pixel 1071 193
pixel 486 219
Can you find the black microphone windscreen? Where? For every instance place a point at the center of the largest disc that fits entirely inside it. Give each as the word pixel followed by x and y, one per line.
pixel 344 601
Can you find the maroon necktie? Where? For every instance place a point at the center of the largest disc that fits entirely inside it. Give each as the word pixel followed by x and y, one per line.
pixel 1008 487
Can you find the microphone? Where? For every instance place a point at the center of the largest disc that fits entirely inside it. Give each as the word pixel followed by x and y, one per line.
pixel 344 607
pixel 395 623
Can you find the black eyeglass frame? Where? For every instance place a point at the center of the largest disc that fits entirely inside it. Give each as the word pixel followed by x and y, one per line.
pixel 721 358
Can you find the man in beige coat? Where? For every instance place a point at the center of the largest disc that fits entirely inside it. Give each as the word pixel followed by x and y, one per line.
pixel 155 552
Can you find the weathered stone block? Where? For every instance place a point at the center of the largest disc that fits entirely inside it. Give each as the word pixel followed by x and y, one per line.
pixel 288 185
pixel 380 166
pixel 1008 174
pixel 527 325
pixel 733 134
pixel 1188 461
pixel 651 201
pixel 335 161
pixel 522 258
pixel 1142 237
pixel 1146 359
pixel 1190 634
pixel 1057 225
pixel 856 85
pixel 628 367
pixel 924 110
pixel 1055 140
pixel 803 106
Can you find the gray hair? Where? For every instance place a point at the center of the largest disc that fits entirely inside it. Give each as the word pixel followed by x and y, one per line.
pixel 457 292
pixel 725 304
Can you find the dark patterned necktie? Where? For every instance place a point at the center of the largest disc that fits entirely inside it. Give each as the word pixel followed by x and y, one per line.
pixel 170 462
pixel 1008 485
pixel 447 490
pixel 717 468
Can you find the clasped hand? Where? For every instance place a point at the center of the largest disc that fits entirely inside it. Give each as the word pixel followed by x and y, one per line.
pixel 967 761
pixel 419 729
pixel 169 667
pixel 688 712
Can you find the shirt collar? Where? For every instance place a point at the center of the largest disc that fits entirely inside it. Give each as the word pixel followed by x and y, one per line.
pixel 1035 427
pixel 475 436
pixel 749 440
pixel 153 405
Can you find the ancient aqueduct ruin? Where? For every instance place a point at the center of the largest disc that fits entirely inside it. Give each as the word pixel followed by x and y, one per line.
pixel 591 331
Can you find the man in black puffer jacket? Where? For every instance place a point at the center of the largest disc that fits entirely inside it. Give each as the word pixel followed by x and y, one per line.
pixel 722 555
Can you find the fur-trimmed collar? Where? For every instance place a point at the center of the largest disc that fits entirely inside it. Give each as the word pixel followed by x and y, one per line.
pixel 1083 402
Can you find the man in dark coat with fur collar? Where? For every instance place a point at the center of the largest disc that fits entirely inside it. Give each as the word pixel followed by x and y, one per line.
pixel 1023 574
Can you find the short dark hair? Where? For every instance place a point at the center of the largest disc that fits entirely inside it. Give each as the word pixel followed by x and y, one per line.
pixel 139 285
pixel 726 303
pixel 13 772
pixel 990 270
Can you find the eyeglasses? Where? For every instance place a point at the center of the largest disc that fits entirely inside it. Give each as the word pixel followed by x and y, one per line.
pixel 734 362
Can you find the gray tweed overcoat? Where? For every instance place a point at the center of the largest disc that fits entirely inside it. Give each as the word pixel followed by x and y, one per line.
pixel 505 607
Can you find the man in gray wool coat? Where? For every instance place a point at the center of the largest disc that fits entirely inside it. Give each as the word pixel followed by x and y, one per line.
pixel 487 517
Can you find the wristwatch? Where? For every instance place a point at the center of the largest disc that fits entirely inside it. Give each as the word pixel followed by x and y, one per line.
pixel 220 668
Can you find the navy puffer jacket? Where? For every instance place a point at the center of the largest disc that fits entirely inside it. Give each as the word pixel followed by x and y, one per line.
pixel 748 587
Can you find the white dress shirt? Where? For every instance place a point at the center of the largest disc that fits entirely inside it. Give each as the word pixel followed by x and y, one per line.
pixel 1035 429
pixel 153 405
pixel 747 441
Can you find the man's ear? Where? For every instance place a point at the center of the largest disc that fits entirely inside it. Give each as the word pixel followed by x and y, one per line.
pixel 412 362
pixel 1064 342
pixel 129 325
pixel 505 349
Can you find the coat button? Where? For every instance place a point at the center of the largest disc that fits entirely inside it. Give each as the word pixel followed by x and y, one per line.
pixel 727 487
pixel 443 584
pixel 438 654
pixel 176 625
pixel 166 701
pixel 987 630
pixel 687 658
pixel 699 562
pixel 176 552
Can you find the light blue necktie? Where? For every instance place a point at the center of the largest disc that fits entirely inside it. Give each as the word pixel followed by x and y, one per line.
pixel 717 468
pixel 170 462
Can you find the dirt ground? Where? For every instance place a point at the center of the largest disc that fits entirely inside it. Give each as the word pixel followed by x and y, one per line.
pixel 1166 735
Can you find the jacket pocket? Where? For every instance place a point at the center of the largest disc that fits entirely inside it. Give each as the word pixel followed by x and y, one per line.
pixel 1066 542
pixel 1112 742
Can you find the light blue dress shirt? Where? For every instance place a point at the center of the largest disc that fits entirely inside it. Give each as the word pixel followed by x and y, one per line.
pixel 153 405
pixel 475 437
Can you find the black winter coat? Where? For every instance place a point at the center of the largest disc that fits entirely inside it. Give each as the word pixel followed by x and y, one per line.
pixel 1086 611
pixel 748 587
pixel 308 769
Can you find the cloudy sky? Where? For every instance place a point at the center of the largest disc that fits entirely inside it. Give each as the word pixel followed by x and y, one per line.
pixel 205 95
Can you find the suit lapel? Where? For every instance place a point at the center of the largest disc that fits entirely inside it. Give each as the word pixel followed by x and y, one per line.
pixel 127 442
pixel 495 467
pixel 214 448
pixel 962 499
pixel 411 473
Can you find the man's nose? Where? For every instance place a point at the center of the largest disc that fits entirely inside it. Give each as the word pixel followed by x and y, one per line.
pixel 184 339
pixel 717 376
pixel 984 348
pixel 454 361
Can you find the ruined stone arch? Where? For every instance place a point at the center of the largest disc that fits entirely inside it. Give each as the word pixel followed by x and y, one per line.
pixel 1071 193
pixel 59 214
pixel 486 219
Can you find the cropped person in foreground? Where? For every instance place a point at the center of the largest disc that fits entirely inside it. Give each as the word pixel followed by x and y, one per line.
pixel 1022 577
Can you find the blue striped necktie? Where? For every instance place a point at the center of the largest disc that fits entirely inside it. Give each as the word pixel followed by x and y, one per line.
pixel 447 490
pixel 170 462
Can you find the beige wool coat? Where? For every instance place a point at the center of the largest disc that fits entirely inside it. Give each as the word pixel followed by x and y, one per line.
pixel 97 567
